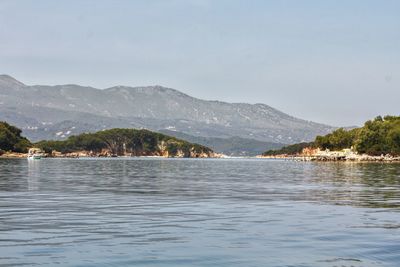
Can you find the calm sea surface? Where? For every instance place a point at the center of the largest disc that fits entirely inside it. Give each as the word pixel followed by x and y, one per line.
pixel 186 212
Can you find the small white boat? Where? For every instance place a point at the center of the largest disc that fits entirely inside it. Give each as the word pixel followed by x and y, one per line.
pixel 35 153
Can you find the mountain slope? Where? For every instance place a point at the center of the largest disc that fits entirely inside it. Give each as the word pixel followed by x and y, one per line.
pixel 152 107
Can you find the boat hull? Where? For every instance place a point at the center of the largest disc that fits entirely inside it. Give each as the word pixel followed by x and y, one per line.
pixel 34 157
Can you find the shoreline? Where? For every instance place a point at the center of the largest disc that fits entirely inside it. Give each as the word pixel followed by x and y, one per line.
pixel 344 155
pixel 14 155
pixel 303 158
pixel 359 158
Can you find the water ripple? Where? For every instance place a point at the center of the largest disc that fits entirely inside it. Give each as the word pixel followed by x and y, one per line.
pixel 182 212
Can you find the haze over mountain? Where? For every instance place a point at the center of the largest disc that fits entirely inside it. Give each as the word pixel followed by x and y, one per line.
pixel 56 112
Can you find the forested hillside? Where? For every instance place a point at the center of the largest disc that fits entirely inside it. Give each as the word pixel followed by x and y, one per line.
pixel 130 142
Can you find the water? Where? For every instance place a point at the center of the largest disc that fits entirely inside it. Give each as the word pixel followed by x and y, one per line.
pixel 182 212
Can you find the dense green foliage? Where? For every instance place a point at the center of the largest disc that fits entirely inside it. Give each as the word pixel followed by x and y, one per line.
pixel 376 137
pixel 379 136
pixel 123 142
pixel 11 139
pixel 289 150
pixel 337 140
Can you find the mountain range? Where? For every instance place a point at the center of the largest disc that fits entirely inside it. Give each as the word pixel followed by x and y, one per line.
pixel 56 112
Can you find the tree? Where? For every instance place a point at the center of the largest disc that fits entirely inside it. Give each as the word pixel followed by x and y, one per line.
pixel 11 139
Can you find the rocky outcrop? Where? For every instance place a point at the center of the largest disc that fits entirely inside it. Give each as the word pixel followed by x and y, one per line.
pixel 348 154
pixel 105 153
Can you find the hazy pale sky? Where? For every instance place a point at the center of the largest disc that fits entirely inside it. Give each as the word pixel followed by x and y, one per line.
pixel 335 62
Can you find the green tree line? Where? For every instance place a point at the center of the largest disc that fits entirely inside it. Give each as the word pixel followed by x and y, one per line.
pixel 378 136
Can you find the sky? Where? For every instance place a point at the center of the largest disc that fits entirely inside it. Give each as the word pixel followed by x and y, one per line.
pixel 333 61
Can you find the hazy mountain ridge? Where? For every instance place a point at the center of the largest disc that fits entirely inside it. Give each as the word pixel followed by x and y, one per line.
pixel 160 102
pixel 232 146
pixel 39 110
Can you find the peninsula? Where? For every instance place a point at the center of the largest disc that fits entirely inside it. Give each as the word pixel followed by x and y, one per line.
pixel 107 143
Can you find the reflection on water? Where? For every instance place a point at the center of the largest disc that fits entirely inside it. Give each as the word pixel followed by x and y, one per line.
pixel 33 174
pixel 182 212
